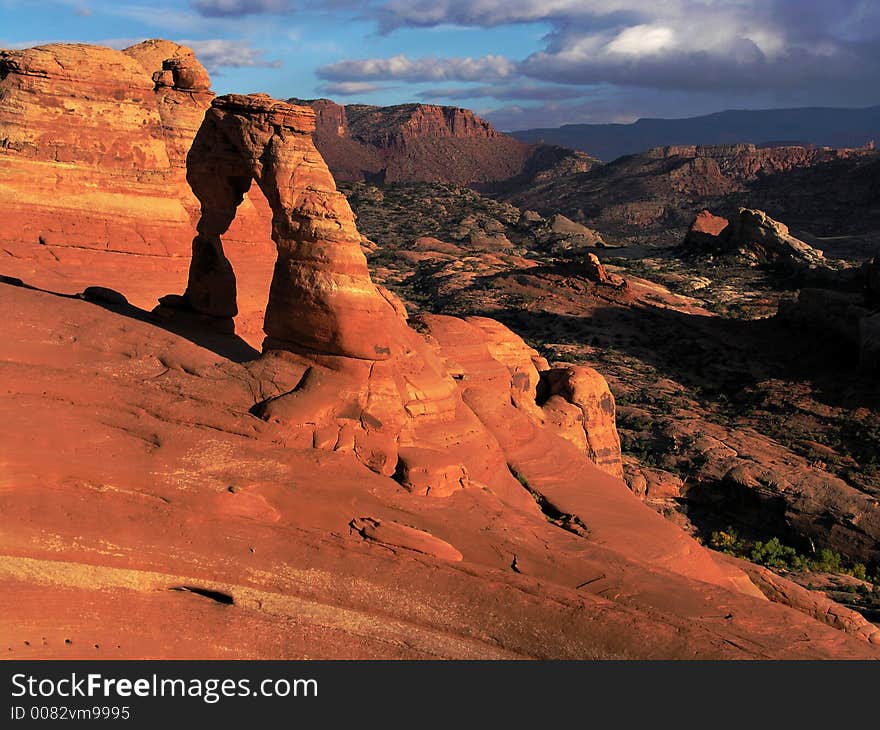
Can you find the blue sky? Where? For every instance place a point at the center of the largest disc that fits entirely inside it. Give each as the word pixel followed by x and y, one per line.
pixel 520 63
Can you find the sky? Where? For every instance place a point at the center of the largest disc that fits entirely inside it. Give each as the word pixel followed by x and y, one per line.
pixel 518 63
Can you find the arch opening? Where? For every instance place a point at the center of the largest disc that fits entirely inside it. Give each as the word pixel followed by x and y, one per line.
pixel 321 298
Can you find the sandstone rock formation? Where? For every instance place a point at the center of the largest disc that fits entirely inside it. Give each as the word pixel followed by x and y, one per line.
pixel 756 235
pixel 595 271
pixel 321 297
pixel 424 142
pixel 104 172
pixel 93 145
pixel 170 500
pixel 368 383
pixel 755 238
pixel 586 390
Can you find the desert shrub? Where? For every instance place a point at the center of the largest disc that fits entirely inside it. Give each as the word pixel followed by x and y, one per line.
pixel 828 561
pixel 775 554
pixel 727 542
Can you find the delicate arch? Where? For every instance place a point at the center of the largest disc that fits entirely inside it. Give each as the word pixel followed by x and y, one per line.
pixel 321 298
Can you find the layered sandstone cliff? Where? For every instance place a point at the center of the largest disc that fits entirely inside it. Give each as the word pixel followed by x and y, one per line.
pixel 93 145
pixel 428 143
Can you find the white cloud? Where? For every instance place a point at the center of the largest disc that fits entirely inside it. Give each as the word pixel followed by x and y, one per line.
pixel 642 40
pixel 400 67
pixel 351 88
pixel 220 53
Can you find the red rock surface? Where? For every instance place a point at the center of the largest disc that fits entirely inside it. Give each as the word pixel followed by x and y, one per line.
pixel 705 222
pixel 664 355
pixel 586 389
pixel 781 590
pixel 162 488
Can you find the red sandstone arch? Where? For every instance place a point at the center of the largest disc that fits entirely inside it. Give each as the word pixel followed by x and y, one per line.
pixel 321 298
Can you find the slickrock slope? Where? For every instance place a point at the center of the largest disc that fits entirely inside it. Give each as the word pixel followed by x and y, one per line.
pixel 147 513
pixel 361 489
pixel 424 142
pixel 93 145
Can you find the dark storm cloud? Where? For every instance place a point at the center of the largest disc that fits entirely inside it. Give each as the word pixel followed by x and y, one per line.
pixel 231 8
pixel 689 45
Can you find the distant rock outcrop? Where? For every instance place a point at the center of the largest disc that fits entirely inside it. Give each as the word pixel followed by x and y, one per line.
pixel 654 194
pixel 705 230
pixel 755 238
pixel 428 143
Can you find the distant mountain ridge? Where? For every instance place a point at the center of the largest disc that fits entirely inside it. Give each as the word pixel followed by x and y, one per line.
pixel 654 195
pixel 820 126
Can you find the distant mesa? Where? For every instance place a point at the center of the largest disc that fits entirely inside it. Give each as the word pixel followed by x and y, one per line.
pixel 654 195
pixel 428 143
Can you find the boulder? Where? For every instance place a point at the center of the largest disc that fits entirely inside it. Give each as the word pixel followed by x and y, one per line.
pixel 586 390
pixel 705 230
pixel 756 236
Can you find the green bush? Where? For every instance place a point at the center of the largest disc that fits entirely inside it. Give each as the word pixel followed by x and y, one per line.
pixel 773 553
